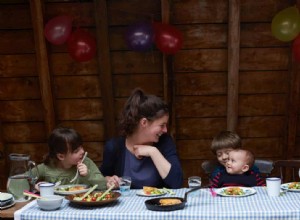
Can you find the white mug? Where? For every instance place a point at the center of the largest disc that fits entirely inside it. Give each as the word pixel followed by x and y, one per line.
pixel 273 186
pixel 46 189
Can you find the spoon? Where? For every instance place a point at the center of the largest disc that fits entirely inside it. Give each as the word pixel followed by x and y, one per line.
pixel 75 177
pixel 57 183
pixel 30 194
pixel 106 192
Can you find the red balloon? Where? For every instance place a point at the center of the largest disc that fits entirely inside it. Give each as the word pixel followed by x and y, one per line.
pixel 58 29
pixel 168 39
pixel 81 45
pixel 296 48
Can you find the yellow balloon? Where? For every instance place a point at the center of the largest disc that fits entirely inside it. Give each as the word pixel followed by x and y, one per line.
pixel 286 24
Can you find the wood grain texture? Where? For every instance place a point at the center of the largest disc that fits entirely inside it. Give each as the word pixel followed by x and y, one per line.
pixel 19 88
pixel 87 86
pixel 80 109
pixel 18 65
pixel 90 130
pixel 104 66
pixel 134 62
pixel 24 132
pixel 43 64
pixel 13 111
pixel 267 77
pixel 150 83
pixel 233 64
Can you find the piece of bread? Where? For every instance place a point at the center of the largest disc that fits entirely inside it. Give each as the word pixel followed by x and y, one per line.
pixel 169 201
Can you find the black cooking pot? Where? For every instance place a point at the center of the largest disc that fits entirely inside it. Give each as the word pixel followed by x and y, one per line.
pixel 154 205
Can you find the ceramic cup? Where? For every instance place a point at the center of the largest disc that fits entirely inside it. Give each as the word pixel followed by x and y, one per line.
pixel 46 189
pixel 125 184
pixel 273 186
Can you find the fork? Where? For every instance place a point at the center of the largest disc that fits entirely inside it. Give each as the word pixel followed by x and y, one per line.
pixel 77 173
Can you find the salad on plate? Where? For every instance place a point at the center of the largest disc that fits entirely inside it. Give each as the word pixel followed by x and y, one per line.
pixel 292 186
pixel 234 191
pixel 151 191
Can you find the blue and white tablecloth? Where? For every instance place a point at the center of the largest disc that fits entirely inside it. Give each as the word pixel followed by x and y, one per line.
pixel 254 207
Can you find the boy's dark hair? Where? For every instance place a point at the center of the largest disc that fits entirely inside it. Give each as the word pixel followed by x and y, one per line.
pixel 226 139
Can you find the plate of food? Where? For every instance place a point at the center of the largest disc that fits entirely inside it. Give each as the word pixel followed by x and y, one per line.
pixel 234 191
pixel 94 199
pixel 292 186
pixel 151 191
pixel 71 189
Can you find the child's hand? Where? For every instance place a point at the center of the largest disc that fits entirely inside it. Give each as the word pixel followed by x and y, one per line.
pixel 82 168
pixel 37 185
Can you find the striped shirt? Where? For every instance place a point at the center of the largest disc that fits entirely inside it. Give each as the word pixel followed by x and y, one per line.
pixel 247 179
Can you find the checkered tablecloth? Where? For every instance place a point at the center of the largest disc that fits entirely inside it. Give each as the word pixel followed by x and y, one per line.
pixel 254 207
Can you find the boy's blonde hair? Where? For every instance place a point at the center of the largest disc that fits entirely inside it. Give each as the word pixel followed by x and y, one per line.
pixel 226 139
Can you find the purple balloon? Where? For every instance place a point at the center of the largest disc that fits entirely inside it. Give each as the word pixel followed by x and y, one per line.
pixel 140 37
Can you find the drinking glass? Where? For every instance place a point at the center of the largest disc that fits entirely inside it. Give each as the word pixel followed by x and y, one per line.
pixel 125 184
pixel 193 182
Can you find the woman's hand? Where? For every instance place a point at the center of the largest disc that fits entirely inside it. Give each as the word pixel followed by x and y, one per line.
pixel 112 180
pixel 162 165
pixel 141 151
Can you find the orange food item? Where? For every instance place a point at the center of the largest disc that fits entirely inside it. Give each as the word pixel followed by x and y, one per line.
pixel 76 188
pixel 169 201
pixel 148 189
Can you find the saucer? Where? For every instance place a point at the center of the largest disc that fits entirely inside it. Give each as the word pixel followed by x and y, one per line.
pixel 12 203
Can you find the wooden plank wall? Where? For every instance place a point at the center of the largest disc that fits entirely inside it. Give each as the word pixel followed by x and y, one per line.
pixel 201 76
pixel 268 79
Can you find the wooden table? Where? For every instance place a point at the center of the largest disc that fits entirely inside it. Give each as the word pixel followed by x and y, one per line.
pixel 9 213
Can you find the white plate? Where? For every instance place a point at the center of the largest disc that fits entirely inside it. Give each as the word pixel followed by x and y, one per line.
pixel 141 193
pixel 248 191
pixel 285 186
pixel 8 206
pixel 61 192
pixel 5 197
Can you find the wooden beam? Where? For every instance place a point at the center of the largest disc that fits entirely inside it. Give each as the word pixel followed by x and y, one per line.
pixel 292 105
pixel 104 66
pixel 42 64
pixel 3 158
pixel 165 14
pixel 233 64
pixel 168 75
pixel 2 150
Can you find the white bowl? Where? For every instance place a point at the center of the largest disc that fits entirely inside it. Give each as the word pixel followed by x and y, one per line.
pixel 49 203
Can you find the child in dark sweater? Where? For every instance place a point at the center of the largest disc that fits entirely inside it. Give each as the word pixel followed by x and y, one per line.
pixel 238 171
